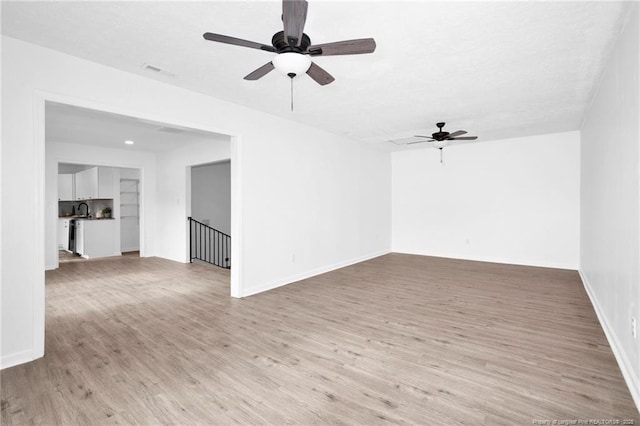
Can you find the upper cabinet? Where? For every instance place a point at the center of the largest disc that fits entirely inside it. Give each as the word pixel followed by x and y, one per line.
pixel 66 187
pixel 96 182
pixel 106 186
pixel 87 184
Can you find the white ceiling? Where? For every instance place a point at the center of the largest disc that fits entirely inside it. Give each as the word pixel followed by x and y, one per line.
pixel 71 124
pixel 495 69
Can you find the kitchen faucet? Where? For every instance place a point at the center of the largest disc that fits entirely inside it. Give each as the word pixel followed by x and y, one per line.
pixel 86 205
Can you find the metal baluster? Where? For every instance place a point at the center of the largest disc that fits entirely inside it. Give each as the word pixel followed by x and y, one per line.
pixel 208 244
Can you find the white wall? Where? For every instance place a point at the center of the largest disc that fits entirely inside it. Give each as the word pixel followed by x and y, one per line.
pixel 318 204
pixel 84 154
pixel 507 201
pixel 211 195
pixel 291 182
pixel 610 199
pixel 174 194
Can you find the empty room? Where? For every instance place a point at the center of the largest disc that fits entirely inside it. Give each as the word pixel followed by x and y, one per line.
pixel 320 212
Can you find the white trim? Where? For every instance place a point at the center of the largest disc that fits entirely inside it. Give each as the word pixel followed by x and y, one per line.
pixel 308 274
pixel 236 218
pixel 187 214
pixel 621 357
pixel 39 219
pixel 17 359
pixel 490 259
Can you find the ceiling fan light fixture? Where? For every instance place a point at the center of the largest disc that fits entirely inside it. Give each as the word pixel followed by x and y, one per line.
pixel 440 144
pixel 290 63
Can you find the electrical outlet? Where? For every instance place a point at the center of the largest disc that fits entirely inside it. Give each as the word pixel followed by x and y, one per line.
pixel 634 330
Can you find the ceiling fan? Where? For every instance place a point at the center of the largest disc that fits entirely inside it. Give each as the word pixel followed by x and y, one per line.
pixel 440 139
pixel 293 46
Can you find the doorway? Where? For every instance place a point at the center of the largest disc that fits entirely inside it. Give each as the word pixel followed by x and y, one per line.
pixel 161 153
pixel 116 203
pixel 129 194
pixel 210 219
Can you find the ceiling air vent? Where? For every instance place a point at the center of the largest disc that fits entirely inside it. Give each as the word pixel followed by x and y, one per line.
pixel 170 130
pixel 157 70
pixel 152 68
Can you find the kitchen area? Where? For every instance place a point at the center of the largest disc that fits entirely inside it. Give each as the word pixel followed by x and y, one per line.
pixel 98 211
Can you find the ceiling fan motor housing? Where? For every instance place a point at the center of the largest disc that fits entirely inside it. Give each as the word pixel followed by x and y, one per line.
pixel 281 44
pixel 439 136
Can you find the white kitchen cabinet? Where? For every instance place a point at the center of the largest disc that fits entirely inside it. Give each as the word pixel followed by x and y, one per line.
pixel 66 187
pixel 96 182
pixel 86 181
pixel 96 238
pixel 106 187
pixel 63 234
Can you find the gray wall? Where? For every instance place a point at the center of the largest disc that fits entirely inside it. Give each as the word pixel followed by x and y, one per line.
pixel 211 195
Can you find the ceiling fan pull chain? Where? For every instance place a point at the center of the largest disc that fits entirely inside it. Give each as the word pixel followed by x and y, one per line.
pixel 440 155
pixel 291 75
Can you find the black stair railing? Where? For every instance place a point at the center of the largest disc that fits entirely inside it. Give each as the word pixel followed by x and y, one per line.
pixel 208 244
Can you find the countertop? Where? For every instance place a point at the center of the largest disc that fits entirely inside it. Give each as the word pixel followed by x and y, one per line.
pixel 76 217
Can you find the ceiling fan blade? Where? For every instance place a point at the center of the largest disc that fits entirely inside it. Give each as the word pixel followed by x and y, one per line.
pixel 411 143
pixel 346 47
pixel 319 75
pixel 420 136
pixel 464 138
pixel 456 134
pixel 260 72
pixel 237 42
pixel 294 16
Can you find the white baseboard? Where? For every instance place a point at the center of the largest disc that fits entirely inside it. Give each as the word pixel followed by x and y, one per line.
pixel 490 259
pixel 621 357
pixel 16 359
pixel 298 277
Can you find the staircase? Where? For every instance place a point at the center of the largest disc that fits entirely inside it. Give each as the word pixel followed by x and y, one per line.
pixel 209 245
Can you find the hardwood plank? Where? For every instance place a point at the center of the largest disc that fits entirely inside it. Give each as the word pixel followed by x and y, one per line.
pixel 398 339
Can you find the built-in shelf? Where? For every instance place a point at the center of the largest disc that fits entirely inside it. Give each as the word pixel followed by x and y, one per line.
pixel 129 193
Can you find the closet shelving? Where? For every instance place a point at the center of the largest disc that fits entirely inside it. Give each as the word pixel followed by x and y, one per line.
pixel 130 199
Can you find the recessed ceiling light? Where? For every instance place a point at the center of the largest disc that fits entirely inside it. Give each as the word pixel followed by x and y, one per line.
pixel 129 142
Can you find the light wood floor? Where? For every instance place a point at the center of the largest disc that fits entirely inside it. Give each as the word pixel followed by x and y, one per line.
pixel 398 339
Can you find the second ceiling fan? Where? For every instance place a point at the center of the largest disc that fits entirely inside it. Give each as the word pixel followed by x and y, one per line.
pixel 442 138
pixel 293 46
